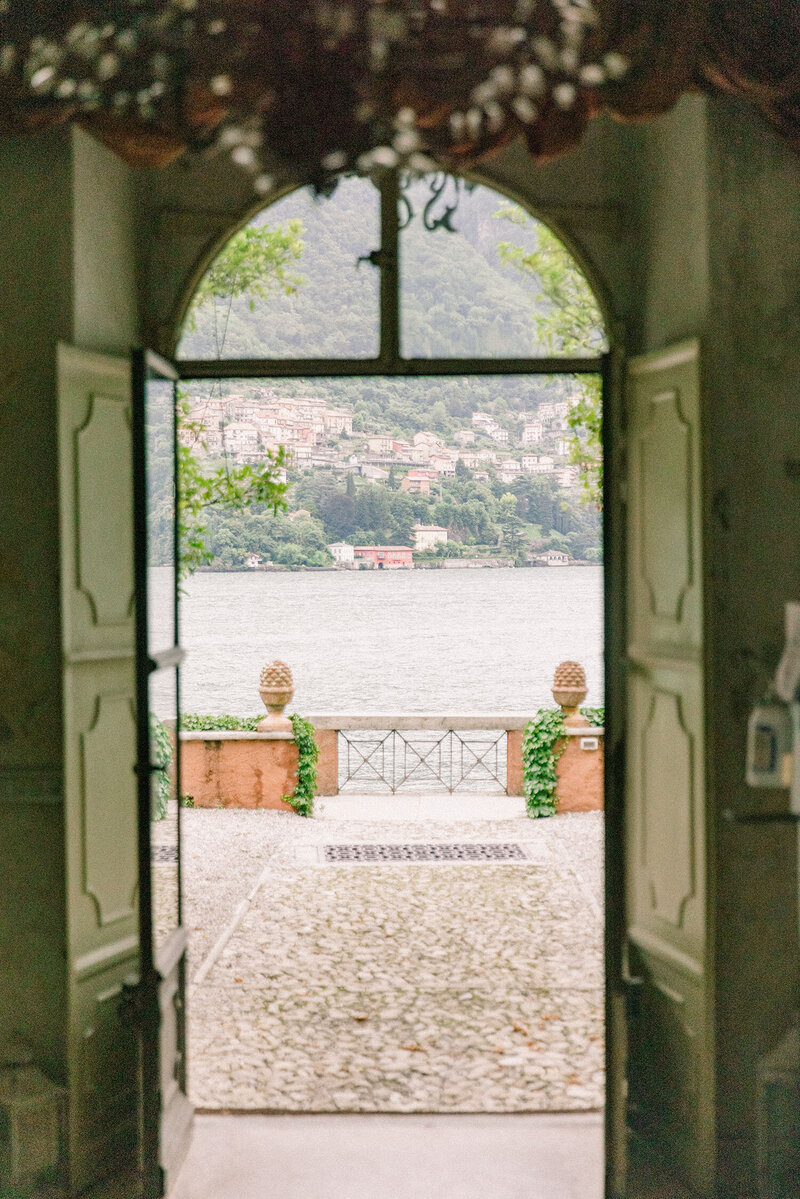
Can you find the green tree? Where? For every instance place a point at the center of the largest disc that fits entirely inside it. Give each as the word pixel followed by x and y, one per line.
pixel 372 510
pixel 255 262
pixel 510 523
pixel 571 323
pixel 402 513
pixel 338 513
pixel 202 488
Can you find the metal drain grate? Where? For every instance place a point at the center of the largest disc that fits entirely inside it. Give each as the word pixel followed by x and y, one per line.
pixel 161 855
pixel 418 852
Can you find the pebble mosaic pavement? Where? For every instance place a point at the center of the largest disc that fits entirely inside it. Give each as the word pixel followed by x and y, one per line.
pixel 395 987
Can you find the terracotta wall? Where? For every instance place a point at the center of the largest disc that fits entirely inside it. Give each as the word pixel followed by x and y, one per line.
pixel 251 773
pixel 580 774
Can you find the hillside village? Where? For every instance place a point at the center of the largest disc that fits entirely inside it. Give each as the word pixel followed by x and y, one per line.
pixel 335 468
pixel 319 435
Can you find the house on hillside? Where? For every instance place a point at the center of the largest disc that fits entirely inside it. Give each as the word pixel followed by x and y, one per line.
pixel 427 537
pixel 428 439
pixel 343 553
pixel 509 470
pixel 551 558
pixel 338 421
pixel 302 455
pixel 253 560
pixel 418 482
pixel 384 557
pixel 240 438
pixel 379 443
pixel 532 432
pixel 444 465
pixel 568 476
pixel 541 464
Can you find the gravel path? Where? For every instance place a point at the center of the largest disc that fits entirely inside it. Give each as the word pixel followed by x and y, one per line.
pixel 445 987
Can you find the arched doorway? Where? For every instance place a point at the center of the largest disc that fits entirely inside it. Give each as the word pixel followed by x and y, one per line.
pixel 494 358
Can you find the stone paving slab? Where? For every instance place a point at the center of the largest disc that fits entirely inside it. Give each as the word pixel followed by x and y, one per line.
pixel 398 988
pixel 385 1157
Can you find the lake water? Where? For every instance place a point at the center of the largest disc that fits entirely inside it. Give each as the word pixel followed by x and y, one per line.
pixel 449 642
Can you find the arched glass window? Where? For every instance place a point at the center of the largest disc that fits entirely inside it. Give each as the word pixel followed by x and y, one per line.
pixel 401 279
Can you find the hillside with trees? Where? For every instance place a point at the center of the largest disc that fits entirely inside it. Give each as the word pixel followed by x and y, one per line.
pixel 481 521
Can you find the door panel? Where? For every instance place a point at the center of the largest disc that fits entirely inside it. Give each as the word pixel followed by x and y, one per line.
pixel 670 1076
pixel 167 1112
pixel 99 733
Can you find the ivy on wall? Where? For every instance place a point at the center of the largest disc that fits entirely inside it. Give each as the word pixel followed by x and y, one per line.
pixel 302 798
pixel 161 750
pixel 543 743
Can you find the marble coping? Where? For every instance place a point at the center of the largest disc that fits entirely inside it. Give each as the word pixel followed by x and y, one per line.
pixel 410 722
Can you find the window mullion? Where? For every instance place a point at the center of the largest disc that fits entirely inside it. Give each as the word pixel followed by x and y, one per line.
pixel 389 266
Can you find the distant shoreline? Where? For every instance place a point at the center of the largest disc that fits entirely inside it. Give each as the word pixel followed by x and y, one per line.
pixel 452 564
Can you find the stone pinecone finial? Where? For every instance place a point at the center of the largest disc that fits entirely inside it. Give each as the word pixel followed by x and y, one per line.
pixel 569 684
pixel 276 688
pixel 276 674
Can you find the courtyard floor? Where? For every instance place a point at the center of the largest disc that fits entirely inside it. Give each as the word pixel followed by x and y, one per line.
pixel 425 986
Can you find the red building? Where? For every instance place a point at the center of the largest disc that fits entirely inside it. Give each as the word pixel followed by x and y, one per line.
pixel 385 557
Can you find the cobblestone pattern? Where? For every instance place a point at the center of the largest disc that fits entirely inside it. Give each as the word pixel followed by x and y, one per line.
pixel 401 987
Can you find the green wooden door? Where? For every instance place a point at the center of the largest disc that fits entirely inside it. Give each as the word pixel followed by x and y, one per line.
pixel 128 1112
pixel 671 1099
pixel 97 594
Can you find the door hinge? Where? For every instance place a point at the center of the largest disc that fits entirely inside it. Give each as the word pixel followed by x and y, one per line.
pixel 633 999
pixel 132 1003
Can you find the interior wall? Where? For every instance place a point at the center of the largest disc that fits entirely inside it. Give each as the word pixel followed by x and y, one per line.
pixel 36 267
pixel 752 383
pixel 669 254
pixel 106 310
